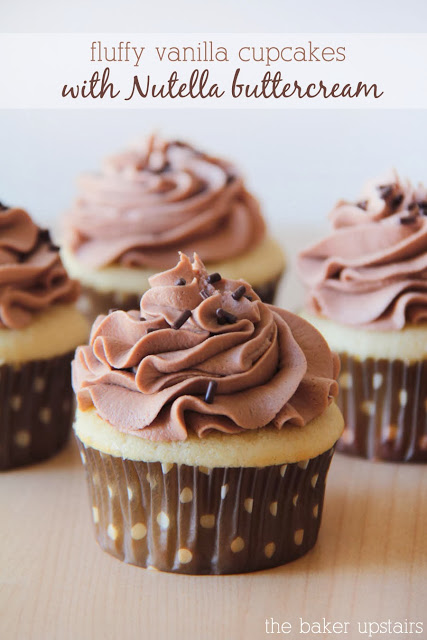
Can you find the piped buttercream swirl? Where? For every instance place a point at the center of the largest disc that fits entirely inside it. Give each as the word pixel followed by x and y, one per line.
pixel 32 276
pixel 371 271
pixel 233 363
pixel 163 197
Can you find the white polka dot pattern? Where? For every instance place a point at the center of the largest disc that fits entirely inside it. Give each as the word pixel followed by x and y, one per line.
pixel 273 508
pixel 377 380
pixel 16 403
pixel 207 521
pixel 151 481
pixel 31 393
pixel 185 556
pixel 112 532
pixel 248 505
pixel 368 407
pixel 269 549
pixel 45 415
pixel 345 380
pixel 186 495
pixel 240 516
pixel 237 545
pixel 138 531
pixel 39 384
pixel 384 409
pixel 163 520
pixel 22 438
pixel 403 397
pixel 299 537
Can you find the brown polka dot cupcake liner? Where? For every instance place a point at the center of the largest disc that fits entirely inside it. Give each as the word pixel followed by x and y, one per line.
pixel 93 303
pixel 267 291
pixel 384 403
pixel 36 414
pixel 195 520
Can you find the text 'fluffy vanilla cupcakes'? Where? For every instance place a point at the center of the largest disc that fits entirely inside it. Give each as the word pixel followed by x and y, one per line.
pixel 206 424
pixel 148 203
pixel 39 331
pixel 367 294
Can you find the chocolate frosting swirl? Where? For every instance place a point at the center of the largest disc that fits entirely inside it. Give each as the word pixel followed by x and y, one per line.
pixel 149 379
pixel 32 276
pixel 371 271
pixel 150 202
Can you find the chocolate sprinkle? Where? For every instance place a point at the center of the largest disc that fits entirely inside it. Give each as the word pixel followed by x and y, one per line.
pixel 224 316
pixel 44 235
pixel 240 291
pixel 250 298
pixel 180 282
pixel 412 206
pixel 423 207
pixel 363 205
pixel 205 294
pixel 142 319
pixel 385 190
pixel 214 277
pixel 158 170
pixel 210 391
pixel 178 143
pixel 397 201
pixel 408 219
pixel 181 319
pixel 220 318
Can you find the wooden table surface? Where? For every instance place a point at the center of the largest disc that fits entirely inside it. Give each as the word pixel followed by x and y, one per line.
pixel 370 564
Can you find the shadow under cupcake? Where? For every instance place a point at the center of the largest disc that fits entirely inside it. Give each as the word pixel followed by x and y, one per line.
pixel 207 425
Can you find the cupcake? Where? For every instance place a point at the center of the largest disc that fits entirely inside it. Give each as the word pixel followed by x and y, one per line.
pixel 206 424
pixel 130 220
pixel 40 328
pixel 367 294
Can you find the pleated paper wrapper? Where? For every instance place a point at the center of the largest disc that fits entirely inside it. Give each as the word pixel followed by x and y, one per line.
pixel 195 520
pixel 36 401
pixel 384 403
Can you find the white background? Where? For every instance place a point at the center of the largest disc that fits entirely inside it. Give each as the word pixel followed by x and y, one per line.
pixel 298 162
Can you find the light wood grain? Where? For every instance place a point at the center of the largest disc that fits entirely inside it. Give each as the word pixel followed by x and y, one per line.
pixel 370 563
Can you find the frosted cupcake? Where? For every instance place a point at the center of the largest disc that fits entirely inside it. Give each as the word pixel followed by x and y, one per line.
pixel 39 331
pixel 367 294
pixel 206 424
pixel 148 203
